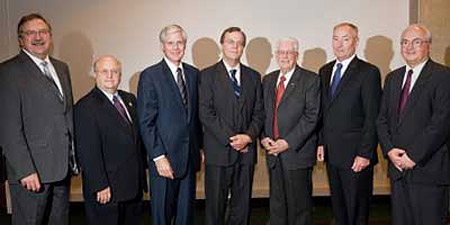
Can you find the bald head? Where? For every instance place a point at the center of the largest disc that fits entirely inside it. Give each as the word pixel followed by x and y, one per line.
pixel 107 73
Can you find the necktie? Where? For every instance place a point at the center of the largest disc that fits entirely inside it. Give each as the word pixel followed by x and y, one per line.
pixel 236 88
pixel 182 86
pixel 336 79
pixel 49 77
pixel 121 109
pixel 405 93
pixel 279 95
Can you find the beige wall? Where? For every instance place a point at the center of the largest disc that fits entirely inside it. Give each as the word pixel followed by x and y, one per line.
pixel 435 14
pixel 85 29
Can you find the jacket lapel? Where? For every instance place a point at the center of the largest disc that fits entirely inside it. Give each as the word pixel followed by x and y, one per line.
pixel 190 90
pixel 290 87
pixel 172 85
pixel 349 72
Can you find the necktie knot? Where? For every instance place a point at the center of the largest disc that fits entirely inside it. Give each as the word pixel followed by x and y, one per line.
pixel 339 66
pixel 233 74
pixel 283 78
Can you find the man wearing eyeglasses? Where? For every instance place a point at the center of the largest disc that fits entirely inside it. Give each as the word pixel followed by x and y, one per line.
pixel 231 112
pixel 292 103
pixel 351 92
pixel 413 128
pixel 37 127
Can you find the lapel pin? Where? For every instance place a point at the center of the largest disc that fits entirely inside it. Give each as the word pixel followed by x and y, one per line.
pixel 130 104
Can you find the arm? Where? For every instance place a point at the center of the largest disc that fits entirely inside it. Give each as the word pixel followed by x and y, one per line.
pixel 207 112
pixel 370 94
pixel 306 126
pixel 383 131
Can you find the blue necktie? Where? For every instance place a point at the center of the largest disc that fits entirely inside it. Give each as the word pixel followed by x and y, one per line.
pixel 236 88
pixel 336 79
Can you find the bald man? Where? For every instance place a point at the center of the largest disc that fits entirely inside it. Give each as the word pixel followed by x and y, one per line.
pixel 413 127
pixel 109 149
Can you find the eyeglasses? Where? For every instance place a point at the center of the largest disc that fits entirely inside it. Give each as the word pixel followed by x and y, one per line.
pixel 417 42
pixel 280 52
pixel 107 72
pixel 34 33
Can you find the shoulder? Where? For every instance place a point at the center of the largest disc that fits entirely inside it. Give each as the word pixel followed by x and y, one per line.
pixel 190 68
pixel 152 70
pixel 249 71
pixel 127 95
pixel 328 66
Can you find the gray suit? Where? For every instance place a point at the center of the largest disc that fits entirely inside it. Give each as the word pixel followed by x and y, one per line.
pixel 291 171
pixel 36 131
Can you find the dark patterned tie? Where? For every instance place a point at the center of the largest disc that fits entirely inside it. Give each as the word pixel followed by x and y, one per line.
pixel 279 96
pixel 336 79
pixel 121 110
pixel 49 77
pixel 182 86
pixel 236 87
pixel 405 93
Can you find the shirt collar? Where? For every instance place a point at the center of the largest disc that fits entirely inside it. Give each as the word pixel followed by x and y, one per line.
pixel 109 95
pixel 417 69
pixel 228 67
pixel 173 68
pixel 345 62
pixel 288 75
pixel 35 59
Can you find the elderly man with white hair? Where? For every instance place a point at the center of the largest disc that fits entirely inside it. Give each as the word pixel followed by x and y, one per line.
pixel 292 102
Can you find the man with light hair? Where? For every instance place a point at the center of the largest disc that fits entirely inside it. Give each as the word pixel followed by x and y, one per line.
pixel 170 128
pixel 351 90
pixel 292 103
pixel 413 128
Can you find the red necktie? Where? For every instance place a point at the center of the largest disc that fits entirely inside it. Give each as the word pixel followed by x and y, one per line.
pixel 279 95
pixel 405 93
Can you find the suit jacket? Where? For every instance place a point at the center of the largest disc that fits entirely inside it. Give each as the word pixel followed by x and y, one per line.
pixel 223 115
pixel 348 120
pixel 298 115
pixel 36 125
pixel 423 127
pixel 167 127
pixel 108 148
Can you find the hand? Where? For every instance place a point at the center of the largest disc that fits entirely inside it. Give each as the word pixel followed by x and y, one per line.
pixel 240 141
pixel 395 155
pixel 104 195
pixel 163 167
pixel 359 164
pixel 407 162
pixel 202 156
pixel 31 182
pixel 267 142
pixel 280 146
pixel 320 153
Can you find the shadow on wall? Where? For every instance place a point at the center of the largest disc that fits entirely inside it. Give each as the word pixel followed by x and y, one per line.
pixel 133 82
pixel 259 54
pixel 314 58
pixel 205 52
pixel 447 56
pixel 76 50
pixel 379 51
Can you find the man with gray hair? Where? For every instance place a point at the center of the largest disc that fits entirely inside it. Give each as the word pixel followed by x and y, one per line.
pixel 170 128
pixel 413 128
pixel 351 90
pixel 109 149
pixel 292 103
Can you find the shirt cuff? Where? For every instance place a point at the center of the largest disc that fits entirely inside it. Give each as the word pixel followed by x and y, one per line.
pixel 158 158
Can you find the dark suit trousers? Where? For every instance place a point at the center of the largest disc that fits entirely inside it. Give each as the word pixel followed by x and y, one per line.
pixel 49 206
pixel 220 181
pixel 173 199
pixel 350 194
pixel 113 212
pixel 418 204
pixel 290 195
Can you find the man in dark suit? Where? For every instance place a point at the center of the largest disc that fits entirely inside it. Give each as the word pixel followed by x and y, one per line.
pixel 37 127
pixel 171 130
pixel 231 111
pixel 413 127
pixel 109 149
pixel 351 93
pixel 292 103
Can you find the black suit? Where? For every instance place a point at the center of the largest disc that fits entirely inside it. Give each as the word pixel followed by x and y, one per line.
pixel 223 115
pixel 36 137
pixel 348 130
pixel 290 172
pixel 109 151
pixel 422 129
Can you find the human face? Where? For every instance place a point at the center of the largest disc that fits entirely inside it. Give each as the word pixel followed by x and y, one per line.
pixel 414 46
pixel 345 41
pixel 108 74
pixel 233 47
pixel 174 47
pixel 36 38
pixel 286 56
